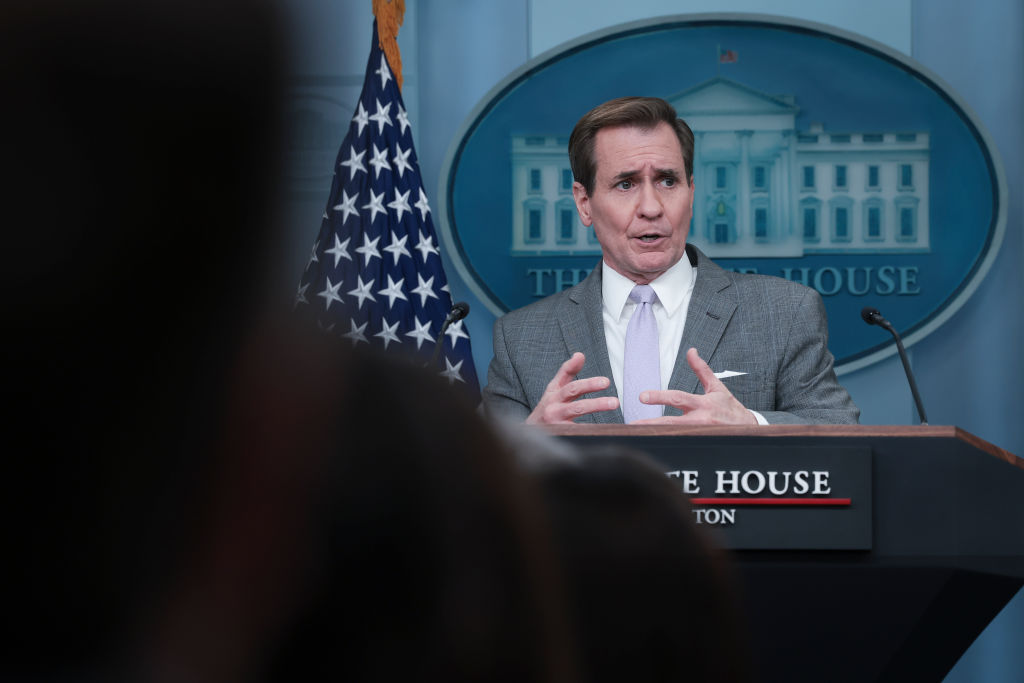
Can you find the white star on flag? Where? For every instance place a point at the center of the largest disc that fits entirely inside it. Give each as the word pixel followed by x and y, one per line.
pixel 400 204
pixel 339 250
pixel 401 159
pixel 369 248
pixel 379 161
pixel 387 301
pixel 388 333
pixel 330 294
pixel 397 248
pixel 347 206
pixel 426 247
pixel 356 334
pixel 380 117
pixel 403 118
pixel 362 291
pixel 384 72
pixel 455 333
pixel 421 333
pixel 361 118
pixel 452 371
pixel 375 205
pixel 354 162
pixel 393 291
pixel 425 289
pixel 423 206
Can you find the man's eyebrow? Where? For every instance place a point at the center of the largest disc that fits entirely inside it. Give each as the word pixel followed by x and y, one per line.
pixel 659 172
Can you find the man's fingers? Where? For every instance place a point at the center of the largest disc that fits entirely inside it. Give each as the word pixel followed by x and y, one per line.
pixel 703 371
pixel 569 369
pixel 578 387
pixel 561 402
pixel 585 406
pixel 672 397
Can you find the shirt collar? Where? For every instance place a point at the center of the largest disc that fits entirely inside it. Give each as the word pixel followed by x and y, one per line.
pixel 672 287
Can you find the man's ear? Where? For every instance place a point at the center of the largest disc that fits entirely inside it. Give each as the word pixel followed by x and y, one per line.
pixel 579 195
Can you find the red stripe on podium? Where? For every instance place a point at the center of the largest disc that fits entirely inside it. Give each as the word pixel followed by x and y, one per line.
pixel 771 501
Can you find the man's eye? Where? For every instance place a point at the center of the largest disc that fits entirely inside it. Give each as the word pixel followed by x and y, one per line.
pixel 668 182
pixel 624 184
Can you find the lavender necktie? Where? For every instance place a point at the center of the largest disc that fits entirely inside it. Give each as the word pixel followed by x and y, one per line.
pixel 641 364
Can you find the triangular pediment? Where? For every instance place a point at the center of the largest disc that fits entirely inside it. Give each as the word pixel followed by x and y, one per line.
pixel 723 96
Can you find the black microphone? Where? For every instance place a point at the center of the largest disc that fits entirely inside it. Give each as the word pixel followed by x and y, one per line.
pixel 459 311
pixel 873 317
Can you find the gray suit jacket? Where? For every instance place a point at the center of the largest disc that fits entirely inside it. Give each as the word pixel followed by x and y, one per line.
pixel 772 329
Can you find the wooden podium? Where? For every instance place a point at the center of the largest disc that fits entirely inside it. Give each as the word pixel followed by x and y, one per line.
pixel 942 553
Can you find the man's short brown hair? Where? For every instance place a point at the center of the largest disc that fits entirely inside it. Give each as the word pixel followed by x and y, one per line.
pixel 638 112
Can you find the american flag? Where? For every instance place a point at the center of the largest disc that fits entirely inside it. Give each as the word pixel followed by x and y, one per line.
pixel 375 275
pixel 727 56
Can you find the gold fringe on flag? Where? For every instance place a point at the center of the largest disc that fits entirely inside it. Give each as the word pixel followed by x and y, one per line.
pixel 389 15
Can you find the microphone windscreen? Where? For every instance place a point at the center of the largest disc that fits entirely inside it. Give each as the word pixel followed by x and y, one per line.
pixel 460 310
pixel 870 315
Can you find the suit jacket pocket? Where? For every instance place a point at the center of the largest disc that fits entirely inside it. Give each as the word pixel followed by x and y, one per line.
pixel 754 390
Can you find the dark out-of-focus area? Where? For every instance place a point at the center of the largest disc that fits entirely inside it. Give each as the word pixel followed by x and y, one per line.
pixel 140 148
pixel 198 488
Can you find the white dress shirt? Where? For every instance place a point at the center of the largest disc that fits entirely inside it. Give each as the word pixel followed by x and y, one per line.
pixel 674 288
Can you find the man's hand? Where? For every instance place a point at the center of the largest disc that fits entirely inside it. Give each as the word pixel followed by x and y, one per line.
pixel 559 404
pixel 716 406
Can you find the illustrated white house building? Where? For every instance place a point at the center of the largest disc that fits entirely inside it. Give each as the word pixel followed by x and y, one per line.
pixel 762 188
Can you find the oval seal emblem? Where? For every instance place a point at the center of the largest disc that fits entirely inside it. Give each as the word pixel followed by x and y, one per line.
pixel 821 156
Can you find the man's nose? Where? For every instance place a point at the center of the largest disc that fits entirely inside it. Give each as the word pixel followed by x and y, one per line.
pixel 649 203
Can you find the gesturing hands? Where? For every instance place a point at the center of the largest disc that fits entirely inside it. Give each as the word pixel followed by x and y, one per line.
pixel 562 404
pixel 559 405
pixel 716 406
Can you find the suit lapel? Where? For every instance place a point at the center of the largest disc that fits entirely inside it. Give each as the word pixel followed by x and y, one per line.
pixel 582 328
pixel 711 307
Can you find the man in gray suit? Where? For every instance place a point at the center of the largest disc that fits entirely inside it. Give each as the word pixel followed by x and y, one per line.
pixel 657 333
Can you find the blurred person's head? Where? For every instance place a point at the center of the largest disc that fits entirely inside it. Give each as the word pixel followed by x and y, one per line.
pixel 650 598
pixel 140 158
pixel 426 556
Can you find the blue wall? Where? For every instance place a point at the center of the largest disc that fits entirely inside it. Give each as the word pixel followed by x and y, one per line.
pixel 970 371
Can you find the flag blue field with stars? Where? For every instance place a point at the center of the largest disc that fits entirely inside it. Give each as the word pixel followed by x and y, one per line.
pixel 375 275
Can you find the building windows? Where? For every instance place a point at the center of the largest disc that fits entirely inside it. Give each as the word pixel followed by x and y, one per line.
pixel 840 137
pixel 906 177
pixel 807 178
pixel 534 180
pixel 721 177
pixel 907 223
pixel 721 223
pixel 566 230
pixel 906 219
pixel 842 224
pixel 760 179
pixel 810 220
pixel 873 221
pixel 566 180
pixel 761 224
pixel 533 217
pixel 842 213
pixel 873 178
pixel 873 137
pixel 810 224
pixel 840 177
pixel 906 137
